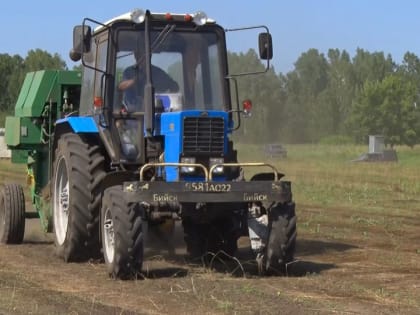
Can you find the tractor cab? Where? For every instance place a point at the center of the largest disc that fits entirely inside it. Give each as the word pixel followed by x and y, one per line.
pixel 139 68
pixel 146 75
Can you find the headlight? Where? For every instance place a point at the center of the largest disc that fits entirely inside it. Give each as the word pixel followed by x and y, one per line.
pixel 200 18
pixel 214 161
pixel 188 169
pixel 137 16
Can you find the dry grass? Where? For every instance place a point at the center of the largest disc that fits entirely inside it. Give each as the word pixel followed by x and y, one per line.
pixel 358 252
pixel 371 209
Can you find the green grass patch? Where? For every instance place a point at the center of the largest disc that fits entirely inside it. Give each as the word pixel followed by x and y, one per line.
pixel 325 175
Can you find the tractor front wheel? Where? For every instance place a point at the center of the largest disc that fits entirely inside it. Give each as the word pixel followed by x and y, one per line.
pixel 12 214
pixel 122 235
pixel 281 242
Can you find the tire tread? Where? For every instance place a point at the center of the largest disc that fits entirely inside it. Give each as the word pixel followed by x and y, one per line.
pixel 86 166
pixel 14 214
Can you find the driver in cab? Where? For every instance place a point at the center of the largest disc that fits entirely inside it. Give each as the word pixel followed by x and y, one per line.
pixel 134 80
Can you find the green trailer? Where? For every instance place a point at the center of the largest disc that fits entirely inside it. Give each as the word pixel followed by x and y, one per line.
pixel 45 96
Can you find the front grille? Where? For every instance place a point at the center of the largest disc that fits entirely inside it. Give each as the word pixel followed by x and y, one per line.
pixel 203 135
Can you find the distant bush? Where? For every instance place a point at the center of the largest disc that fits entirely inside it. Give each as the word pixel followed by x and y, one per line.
pixel 336 140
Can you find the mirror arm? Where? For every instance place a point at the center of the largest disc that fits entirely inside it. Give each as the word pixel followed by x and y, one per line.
pixel 267 65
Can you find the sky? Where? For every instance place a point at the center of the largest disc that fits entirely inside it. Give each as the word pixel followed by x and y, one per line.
pixel 391 26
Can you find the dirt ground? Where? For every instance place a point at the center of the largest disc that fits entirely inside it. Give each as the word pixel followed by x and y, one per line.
pixel 345 275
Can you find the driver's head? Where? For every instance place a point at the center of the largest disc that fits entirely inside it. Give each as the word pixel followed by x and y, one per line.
pixel 137 55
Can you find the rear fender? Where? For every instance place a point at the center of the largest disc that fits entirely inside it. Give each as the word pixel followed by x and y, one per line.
pixel 79 125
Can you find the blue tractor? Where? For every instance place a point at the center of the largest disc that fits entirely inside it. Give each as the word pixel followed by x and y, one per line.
pixel 148 142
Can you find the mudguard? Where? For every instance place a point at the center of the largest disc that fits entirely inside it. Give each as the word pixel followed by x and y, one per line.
pixel 80 124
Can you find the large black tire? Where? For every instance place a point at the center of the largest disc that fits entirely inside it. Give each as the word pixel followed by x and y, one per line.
pixel 281 243
pixel 122 235
pixel 12 214
pixel 76 198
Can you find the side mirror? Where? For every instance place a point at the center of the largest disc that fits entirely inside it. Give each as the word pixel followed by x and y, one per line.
pixel 82 35
pixel 265 45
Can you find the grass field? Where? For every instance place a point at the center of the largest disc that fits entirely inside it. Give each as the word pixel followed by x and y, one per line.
pixel 358 249
pixel 375 206
pixel 325 175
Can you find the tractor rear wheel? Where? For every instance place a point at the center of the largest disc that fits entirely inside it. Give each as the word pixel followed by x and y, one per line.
pixel 12 214
pixel 281 242
pixel 78 172
pixel 122 235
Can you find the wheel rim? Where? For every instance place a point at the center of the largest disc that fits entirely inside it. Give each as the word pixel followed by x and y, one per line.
pixel 61 201
pixel 109 236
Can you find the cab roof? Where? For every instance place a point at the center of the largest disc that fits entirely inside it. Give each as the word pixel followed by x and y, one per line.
pixel 137 16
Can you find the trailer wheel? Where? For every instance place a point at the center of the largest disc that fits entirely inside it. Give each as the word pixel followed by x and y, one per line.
pixel 12 214
pixel 78 171
pixel 122 236
pixel 282 236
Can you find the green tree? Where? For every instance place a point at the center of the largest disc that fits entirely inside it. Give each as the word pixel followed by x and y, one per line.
pixel 304 86
pixel 78 67
pixel 10 68
pixel 388 107
pixel 42 60
pixel 264 91
pixel 35 60
pixel 336 99
pixel 295 129
pixel 410 67
pixel 13 70
pixel 371 66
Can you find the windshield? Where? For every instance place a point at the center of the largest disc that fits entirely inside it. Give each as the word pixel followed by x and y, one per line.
pixel 186 71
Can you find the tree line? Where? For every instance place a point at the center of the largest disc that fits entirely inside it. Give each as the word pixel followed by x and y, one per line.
pixel 330 97
pixel 12 73
pixel 334 98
